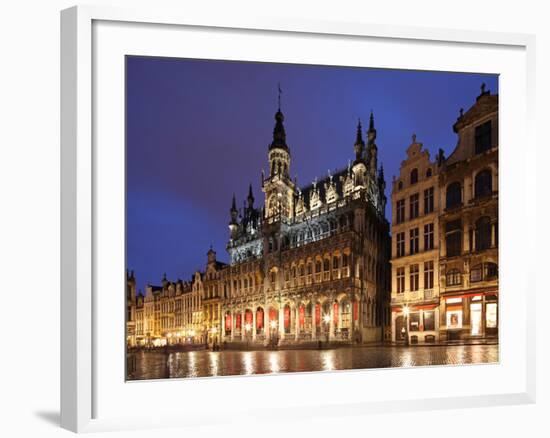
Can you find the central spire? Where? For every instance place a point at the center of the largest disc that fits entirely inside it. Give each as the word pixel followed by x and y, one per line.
pixel 279 134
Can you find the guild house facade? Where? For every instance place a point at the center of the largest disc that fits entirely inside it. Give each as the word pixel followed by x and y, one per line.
pixel 310 265
pixel 445 235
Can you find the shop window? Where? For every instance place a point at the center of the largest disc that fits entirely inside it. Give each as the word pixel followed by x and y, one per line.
pixel 475 319
pixel 491 315
pixel 429 320
pixel 454 319
pixel 414 321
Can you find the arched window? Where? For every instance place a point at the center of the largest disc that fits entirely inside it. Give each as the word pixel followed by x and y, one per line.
pixel 483 233
pixel 259 320
pixel 326 269
pixel 318 266
pixel 453 277
pixel 429 172
pixel 483 184
pixel 454 195
pixel 400 185
pixel 414 176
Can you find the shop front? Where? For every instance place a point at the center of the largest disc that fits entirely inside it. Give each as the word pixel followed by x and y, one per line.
pixel 419 323
pixel 470 316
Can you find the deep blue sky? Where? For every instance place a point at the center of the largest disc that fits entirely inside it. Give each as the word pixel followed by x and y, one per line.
pixel 197 131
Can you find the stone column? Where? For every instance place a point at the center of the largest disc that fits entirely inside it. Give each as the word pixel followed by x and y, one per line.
pixel 243 331
pixel 493 235
pixel 281 323
pixel 297 322
pixel 232 324
pixel 267 328
pixel 222 324
pixel 313 326
pixel 253 324
pixel 331 324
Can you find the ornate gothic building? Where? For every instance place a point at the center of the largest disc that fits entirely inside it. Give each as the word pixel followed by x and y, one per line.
pixel 314 262
pixel 311 265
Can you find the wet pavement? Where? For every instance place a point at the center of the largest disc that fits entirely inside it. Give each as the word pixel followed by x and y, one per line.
pixel 160 365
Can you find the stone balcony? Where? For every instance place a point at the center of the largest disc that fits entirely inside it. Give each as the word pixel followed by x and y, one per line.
pixel 414 296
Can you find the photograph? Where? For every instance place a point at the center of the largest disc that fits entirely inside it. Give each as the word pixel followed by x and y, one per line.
pixel 285 218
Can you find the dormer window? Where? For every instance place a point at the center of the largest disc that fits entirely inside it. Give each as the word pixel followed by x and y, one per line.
pixel 414 176
pixel 483 137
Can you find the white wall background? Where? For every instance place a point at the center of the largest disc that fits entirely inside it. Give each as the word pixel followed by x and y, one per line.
pixel 29 214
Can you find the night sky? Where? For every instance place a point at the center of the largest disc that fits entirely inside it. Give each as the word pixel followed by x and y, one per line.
pixel 198 131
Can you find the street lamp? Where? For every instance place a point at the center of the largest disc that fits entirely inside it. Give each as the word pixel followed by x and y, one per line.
pixel 406 312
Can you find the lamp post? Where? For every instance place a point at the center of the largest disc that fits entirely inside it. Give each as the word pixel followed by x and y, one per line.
pixel 406 321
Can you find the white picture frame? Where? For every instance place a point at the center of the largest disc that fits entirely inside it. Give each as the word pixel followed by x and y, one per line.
pixel 81 368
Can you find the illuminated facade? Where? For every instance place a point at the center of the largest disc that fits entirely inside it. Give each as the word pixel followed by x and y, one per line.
pixel 415 247
pixel 455 281
pixel 311 265
pixel 167 314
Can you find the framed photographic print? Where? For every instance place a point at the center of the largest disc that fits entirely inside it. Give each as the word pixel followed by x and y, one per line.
pixel 304 210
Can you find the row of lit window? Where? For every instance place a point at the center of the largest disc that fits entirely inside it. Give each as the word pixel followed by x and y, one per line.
pixel 414 277
pixel 414 206
pixel 414 240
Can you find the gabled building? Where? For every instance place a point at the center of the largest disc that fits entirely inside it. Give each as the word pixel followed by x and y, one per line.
pixel 469 225
pixel 445 235
pixel 415 247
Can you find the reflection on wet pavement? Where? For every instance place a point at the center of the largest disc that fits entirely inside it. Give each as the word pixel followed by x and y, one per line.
pixel 157 365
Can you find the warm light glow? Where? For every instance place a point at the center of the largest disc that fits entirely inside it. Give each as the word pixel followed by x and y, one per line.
pixel 214 330
pixel 326 318
pixel 406 310
pixel 169 335
pixel 247 327
pixel 273 324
